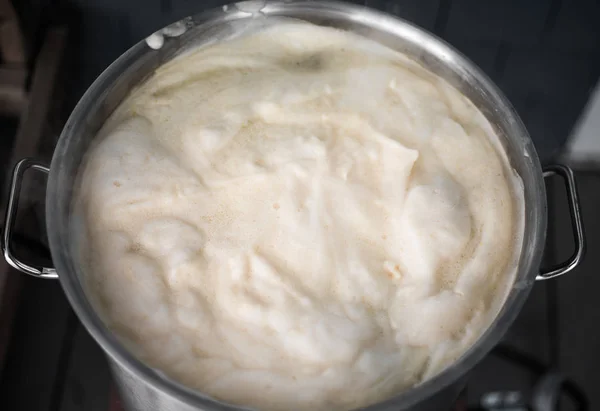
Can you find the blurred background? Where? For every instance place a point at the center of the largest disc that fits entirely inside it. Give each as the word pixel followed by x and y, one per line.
pixel 543 54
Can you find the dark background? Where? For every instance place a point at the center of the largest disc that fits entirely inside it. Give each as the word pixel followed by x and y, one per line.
pixel 544 54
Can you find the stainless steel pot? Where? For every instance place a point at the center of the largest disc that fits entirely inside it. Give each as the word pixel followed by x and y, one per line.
pixel 146 389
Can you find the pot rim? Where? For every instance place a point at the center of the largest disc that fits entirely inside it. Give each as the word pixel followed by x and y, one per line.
pixel 535 224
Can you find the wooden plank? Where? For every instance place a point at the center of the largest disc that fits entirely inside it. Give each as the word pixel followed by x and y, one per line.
pixel 13 96
pixel 27 141
pixel 87 381
pixel 11 42
pixel 11 38
pixel 7 11
pixel 8 307
pixel 38 350
pixel 13 75
pixel 40 97
pixel 578 290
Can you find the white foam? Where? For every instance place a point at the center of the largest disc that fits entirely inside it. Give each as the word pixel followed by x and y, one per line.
pixel 296 219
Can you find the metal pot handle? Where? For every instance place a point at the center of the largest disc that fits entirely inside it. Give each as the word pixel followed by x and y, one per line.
pixel 575 210
pixel 11 212
pixel 49 272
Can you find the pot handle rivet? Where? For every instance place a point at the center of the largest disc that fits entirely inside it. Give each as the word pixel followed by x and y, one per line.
pixel 11 212
pixel 575 210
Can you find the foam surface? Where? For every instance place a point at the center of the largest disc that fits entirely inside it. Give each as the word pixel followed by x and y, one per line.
pixel 298 219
